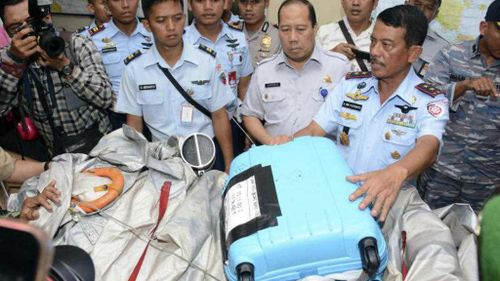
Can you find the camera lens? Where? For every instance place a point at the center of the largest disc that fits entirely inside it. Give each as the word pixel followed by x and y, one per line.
pixel 52 44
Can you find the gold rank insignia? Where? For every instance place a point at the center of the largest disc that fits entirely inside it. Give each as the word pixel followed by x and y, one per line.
pixel 96 29
pixel 356 96
pixel 327 79
pixel 348 116
pixel 106 40
pixel 132 57
pixel 387 135
pixel 395 155
pixel 428 89
pixel 344 139
pixel 266 42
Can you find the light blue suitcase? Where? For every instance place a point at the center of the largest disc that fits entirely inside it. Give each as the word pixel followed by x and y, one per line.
pixel 286 215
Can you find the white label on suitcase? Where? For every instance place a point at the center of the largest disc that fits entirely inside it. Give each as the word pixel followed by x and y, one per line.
pixel 241 204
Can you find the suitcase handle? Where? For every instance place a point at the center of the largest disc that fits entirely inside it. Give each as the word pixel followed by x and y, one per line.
pixel 245 272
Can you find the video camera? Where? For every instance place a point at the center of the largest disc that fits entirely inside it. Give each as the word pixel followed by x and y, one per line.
pixel 47 37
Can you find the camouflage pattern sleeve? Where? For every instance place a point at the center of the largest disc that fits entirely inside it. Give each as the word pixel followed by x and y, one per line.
pixel 439 72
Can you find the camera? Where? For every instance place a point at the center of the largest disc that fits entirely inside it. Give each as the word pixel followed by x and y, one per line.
pixel 47 37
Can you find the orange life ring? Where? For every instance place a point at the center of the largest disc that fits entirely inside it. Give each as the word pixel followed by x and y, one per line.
pixel 114 189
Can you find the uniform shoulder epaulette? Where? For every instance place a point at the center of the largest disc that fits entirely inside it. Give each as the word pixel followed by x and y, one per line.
pixel 208 50
pixel 236 25
pixel 96 29
pixel 132 57
pixel 265 27
pixel 428 89
pixel 81 29
pixel 358 75
pixel 268 59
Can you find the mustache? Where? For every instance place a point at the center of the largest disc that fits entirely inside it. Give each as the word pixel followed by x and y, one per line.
pixel 377 61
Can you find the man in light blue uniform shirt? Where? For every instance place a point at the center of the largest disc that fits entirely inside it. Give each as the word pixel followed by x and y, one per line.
pixel 231 48
pixel 390 125
pixel 147 95
pixel 99 8
pixel 118 39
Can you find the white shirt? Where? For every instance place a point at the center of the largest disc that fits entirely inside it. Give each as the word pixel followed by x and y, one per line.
pixel 330 35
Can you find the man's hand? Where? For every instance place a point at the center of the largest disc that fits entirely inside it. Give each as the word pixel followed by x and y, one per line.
pixel 31 205
pixel 345 49
pixel 381 187
pixel 23 46
pixel 54 63
pixel 279 140
pixel 483 86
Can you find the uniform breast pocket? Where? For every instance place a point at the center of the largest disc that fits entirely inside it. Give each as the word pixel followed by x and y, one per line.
pixel 202 95
pixel 275 106
pixel 349 130
pixel 113 64
pixel 153 107
pixel 398 141
pixel 192 117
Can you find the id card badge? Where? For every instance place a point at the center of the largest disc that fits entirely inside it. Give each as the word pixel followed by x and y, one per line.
pixel 187 112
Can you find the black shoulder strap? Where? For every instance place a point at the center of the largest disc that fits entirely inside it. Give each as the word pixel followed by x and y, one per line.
pixel 183 92
pixel 349 40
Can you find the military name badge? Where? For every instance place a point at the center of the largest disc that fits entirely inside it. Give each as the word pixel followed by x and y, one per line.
pixel 147 87
pixel 344 139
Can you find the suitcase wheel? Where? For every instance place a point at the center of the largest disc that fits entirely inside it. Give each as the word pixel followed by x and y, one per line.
pixel 370 258
pixel 245 272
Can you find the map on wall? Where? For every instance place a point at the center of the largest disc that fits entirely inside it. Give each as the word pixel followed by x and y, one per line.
pixel 458 20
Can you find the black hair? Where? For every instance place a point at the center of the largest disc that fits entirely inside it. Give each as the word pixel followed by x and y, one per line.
pixel 148 4
pixel 5 3
pixel 310 7
pixel 410 18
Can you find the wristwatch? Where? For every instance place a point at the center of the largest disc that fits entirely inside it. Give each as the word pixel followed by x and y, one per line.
pixel 67 69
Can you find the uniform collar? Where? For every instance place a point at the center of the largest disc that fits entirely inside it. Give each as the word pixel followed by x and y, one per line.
pixel 195 36
pixel 315 56
pixel 404 91
pixel 369 29
pixel 113 29
pixel 407 87
pixel 188 55
pixel 474 48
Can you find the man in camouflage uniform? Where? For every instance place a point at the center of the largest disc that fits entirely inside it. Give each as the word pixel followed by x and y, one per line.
pixel 469 73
